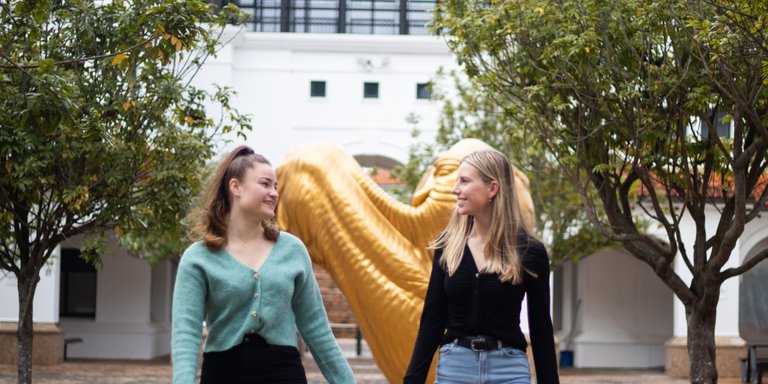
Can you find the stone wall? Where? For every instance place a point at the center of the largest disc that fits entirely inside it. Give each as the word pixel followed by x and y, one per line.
pixel 729 352
pixel 47 344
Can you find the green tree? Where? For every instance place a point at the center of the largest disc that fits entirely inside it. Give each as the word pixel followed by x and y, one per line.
pixel 468 112
pixel 99 127
pixel 161 241
pixel 617 92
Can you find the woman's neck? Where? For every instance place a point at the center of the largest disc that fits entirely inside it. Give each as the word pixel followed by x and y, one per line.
pixel 241 230
pixel 480 227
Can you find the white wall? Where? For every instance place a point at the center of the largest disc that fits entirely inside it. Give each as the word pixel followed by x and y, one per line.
pixel 271 73
pixel 124 307
pixel 625 315
pixel 755 232
pixel 567 307
pixel 728 307
pixel 123 327
pixel 46 303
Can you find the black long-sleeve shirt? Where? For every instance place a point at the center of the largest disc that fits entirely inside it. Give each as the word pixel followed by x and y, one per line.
pixel 471 303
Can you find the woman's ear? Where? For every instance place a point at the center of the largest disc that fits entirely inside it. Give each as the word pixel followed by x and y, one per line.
pixel 234 186
pixel 493 190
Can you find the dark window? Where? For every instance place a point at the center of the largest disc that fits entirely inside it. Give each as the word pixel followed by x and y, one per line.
pixel 723 129
pixel 423 91
pixel 317 88
pixel 371 90
pixel 77 287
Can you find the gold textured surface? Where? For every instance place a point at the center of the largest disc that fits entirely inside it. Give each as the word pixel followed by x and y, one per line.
pixel 373 245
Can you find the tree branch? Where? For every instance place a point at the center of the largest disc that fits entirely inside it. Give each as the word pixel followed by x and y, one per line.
pixel 7 261
pixel 15 65
pixel 744 267
pixel 759 203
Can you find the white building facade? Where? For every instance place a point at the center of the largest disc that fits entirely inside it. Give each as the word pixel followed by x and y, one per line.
pixel 615 312
pixel 351 89
pixel 357 91
pixel 366 88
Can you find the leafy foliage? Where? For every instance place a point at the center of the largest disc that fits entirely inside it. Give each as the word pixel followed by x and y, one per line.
pixel 625 95
pixel 99 126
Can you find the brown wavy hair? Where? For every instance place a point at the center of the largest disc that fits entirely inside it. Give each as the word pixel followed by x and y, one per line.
pixel 210 221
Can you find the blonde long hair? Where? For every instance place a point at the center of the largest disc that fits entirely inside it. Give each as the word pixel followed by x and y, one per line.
pixel 507 222
pixel 210 222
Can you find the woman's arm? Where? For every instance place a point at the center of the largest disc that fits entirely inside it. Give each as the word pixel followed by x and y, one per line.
pixel 188 311
pixel 539 318
pixel 431 327
pixel 312 322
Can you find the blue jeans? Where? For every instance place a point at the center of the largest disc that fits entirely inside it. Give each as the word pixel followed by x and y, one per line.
pixel 459 365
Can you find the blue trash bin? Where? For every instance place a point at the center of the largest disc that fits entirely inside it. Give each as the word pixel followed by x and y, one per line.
pixel 566 358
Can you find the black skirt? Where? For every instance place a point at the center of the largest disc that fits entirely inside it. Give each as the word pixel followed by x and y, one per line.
pixel 253 361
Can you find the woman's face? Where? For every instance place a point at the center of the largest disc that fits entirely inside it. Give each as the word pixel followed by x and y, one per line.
pixel 472 193
pixel 256 194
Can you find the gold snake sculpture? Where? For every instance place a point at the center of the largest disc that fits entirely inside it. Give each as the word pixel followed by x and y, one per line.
pixel 373 246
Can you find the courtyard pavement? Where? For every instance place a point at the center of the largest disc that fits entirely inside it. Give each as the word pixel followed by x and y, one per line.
pixel 365 369
pixel 366 372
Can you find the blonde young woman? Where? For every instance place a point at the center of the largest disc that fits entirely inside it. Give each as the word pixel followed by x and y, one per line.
pixel 252 284
pixel 485 263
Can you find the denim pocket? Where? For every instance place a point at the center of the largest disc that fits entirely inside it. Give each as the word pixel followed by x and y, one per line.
pixel 512 352
pixel 447 348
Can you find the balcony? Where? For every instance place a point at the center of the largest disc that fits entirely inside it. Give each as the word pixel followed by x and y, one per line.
pixel 378 17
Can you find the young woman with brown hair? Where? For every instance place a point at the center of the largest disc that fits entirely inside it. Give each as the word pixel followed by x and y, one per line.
pixel 252 285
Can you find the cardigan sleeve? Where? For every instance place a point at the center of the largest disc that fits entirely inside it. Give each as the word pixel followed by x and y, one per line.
pixel 539 318
pixel 432 325
pixel 188 311
pixel 312 322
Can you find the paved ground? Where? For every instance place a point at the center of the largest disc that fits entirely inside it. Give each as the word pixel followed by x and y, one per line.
pixel 366 372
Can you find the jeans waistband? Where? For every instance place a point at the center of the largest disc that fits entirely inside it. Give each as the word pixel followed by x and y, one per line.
pixel 481 343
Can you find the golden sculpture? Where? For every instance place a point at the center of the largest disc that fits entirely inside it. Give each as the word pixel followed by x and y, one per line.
pixel 373 246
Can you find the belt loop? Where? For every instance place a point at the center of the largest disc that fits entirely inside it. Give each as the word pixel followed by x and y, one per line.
pixel 455 341
pixel 499 343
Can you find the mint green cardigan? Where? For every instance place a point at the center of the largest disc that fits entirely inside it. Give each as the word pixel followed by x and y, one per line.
pixel 235 300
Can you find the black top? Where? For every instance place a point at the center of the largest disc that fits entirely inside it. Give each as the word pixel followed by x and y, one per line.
pixel 471 303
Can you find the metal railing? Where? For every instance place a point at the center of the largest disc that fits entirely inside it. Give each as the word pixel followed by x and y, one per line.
pixel 358 338
pixel 386 17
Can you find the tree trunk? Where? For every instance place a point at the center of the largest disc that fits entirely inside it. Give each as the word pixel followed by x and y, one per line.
pixel 26 284
pixel 701 343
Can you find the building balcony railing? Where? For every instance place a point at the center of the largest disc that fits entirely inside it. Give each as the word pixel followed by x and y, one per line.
pixel 381 17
